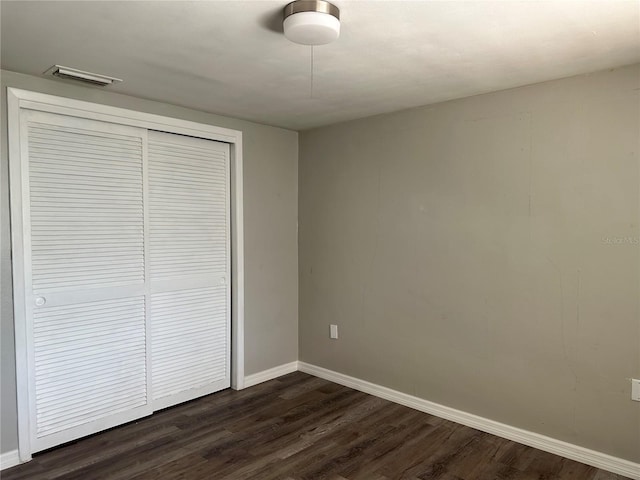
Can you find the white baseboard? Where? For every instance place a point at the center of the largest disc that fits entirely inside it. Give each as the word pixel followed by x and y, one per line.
pixel 541 442
pixel 265 375
pixel 9 459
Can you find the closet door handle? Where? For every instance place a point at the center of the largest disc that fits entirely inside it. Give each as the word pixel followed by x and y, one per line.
pixel 40 301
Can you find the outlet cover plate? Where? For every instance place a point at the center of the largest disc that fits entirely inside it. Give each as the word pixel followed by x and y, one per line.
pixel 333 331
pixel 635 389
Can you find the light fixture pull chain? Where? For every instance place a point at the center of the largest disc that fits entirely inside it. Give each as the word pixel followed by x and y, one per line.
pixel 311 93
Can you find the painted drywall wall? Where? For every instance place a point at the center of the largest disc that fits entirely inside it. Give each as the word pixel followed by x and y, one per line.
pixel 484 254
pixel 270 157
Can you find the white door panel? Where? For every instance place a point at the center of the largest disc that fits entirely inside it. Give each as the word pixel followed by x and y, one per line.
pixel 189 267
pixel 84 246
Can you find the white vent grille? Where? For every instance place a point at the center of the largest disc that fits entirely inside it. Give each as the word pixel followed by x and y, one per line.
pixel 81 76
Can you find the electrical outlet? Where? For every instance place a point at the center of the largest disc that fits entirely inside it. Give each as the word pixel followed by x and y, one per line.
pixel 333 331
pixel 635 389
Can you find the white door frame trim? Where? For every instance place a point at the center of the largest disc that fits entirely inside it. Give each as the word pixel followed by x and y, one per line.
pixel 18 100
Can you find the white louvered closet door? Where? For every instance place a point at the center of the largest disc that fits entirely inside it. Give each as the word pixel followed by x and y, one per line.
pixel 85 278
pixel 189 267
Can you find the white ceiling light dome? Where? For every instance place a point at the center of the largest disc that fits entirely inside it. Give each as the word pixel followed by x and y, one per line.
pixel 311 22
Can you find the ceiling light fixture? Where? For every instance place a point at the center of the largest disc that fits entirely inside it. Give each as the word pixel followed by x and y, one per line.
pixel 311 22
pixel 81 75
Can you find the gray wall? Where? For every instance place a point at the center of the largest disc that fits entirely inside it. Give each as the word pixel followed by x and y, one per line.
pixel 271 255
pixel 483 254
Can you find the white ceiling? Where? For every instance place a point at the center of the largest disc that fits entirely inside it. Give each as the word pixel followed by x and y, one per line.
pixel 229 57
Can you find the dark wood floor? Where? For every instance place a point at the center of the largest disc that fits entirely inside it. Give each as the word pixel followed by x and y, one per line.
pixel 297 427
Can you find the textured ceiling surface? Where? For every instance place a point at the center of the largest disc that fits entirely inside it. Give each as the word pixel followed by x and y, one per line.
pixel 231 58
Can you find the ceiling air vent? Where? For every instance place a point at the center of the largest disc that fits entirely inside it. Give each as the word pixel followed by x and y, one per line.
pixel 81 76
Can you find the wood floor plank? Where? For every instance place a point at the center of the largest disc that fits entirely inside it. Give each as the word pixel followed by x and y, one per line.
pixel 297 427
